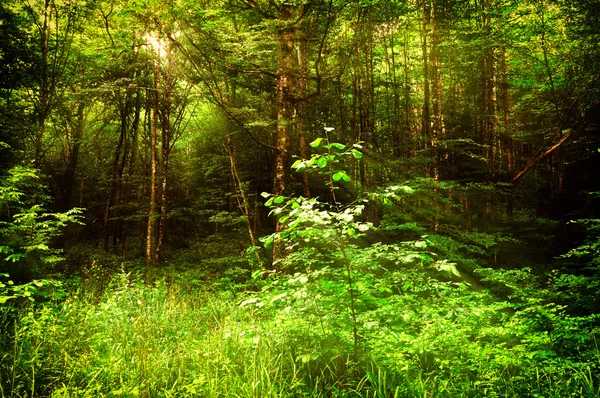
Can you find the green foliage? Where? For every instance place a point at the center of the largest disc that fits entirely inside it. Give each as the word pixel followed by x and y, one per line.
pixel 26 232
pixel 419 336
pixel 576 281
pixel 26 229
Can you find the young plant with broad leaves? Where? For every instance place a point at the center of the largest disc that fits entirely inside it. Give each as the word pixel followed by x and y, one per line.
pixel 26 232
pixel 331 263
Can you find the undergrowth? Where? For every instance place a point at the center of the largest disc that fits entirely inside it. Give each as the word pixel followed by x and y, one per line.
pixel 170 340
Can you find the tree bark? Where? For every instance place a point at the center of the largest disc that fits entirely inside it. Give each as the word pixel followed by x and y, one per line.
pixel 115 174
pixel 44 84
pixel 153 163
pixel 75 145
pixel 426 115
pixel 285 41
pixel 167 136
pixel 437 131
pixel 302 86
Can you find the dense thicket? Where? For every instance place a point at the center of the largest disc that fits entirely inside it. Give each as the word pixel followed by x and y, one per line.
pixel 461 134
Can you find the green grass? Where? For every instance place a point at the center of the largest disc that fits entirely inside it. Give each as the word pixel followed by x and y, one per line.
pixel 163 341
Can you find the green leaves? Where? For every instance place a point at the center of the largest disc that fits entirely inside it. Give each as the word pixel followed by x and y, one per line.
pixel 321 161
pixel 341 175
pixel 316 143
pixel 335 145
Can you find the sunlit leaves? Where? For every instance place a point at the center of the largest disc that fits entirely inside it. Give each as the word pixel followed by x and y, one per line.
pixel 316 143
pixel 340 175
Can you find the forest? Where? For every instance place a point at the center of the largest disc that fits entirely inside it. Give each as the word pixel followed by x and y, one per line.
pixel 299 198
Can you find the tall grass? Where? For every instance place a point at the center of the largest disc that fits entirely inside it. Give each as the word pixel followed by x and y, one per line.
pixel 161 341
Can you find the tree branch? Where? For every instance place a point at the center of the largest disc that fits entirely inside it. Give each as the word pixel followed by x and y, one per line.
pixel 583 122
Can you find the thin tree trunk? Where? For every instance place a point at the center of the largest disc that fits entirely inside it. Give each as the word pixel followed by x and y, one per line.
pixel 44 85
pixel 153 162
pixel 166 151
pixel 507 141
pixel 241 197
pixel 71 172
pixel 302 85
pixel 114 177
pixel 426 116
pixel 436 81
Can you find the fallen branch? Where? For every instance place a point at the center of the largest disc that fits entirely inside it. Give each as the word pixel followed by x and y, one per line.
pixel 581 124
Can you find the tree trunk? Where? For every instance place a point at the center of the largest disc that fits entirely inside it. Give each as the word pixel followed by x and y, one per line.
pixel 44 84
pixel 302 85
pixel 507 142
pixel 436 81
pixel 426 116
pixel 153 162
pixel 115 169
pixel 488 90
pixel 284 108
pixel 71 172
pixel 166 151
pixel 241 197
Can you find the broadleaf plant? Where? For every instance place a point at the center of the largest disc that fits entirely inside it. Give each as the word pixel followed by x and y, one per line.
pixel 309 222
pixel 26 230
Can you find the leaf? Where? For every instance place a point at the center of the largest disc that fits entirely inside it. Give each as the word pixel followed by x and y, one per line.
pixel 351 231
pixel 257 274
pixel 448 267
pixel 269 202
pixel 341 175
pixel 279 200
pixel 357 154
pixel 335 145
pixel 265 195
pixel 269 241
pixel 387 201
pixel 322 162
pixel 249 301
pixel 297 163
pixel 420 244
pixel 316 143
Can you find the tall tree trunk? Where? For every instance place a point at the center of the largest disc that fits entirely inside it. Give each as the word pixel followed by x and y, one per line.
pixel 284 112
pixel 488 89
pixel 426 116
pixel 71 172
pixel 507 141
pixel 437 131
pixel 284 105
pixel 115 174
pixel 166 150
pixel 153 162
pixel 302 86
pixel 44 84
pixel 436 82
pixel 407 100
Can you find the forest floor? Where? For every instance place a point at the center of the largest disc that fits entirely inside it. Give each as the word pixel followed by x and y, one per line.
pixel 219 331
